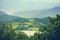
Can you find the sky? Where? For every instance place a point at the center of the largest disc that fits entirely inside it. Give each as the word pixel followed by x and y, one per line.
pixel 11 6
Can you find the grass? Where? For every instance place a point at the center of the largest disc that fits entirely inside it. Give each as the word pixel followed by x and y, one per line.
pixel 34 28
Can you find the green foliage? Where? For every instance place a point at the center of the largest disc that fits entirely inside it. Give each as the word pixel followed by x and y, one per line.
pixel 35 37
pixel 22 36
pixel 48 32
pixel 7 33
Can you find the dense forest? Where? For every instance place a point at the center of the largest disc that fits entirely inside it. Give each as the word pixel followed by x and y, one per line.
pixel 51 31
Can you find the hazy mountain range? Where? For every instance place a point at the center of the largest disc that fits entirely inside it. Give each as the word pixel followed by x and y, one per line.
pixel 10 18
pixel 39 13
pixel 50 12
pixel 6 17
pixel 36 15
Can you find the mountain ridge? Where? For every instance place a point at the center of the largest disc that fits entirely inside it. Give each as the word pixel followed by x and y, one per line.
pixel 39 13
pixel 50 12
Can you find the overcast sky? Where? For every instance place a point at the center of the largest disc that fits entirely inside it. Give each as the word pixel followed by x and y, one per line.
pixel 10 6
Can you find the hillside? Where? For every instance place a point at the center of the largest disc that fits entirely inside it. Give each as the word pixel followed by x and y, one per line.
pixel 50 12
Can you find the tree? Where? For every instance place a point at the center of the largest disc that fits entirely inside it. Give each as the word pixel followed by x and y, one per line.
pixel 7 33
pixel 22 36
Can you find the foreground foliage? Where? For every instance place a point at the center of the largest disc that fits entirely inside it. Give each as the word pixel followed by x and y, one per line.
pixel 49 32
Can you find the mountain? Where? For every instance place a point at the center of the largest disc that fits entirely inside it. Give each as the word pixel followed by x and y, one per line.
pixel 39 13
pixel 28 14
pixel 50 12
pixel 9 18
pixel 6 17
pixel 2 13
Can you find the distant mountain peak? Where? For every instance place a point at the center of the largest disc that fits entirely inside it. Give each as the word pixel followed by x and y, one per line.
pixel 2 13
pixel 50 12
pixel 56 8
